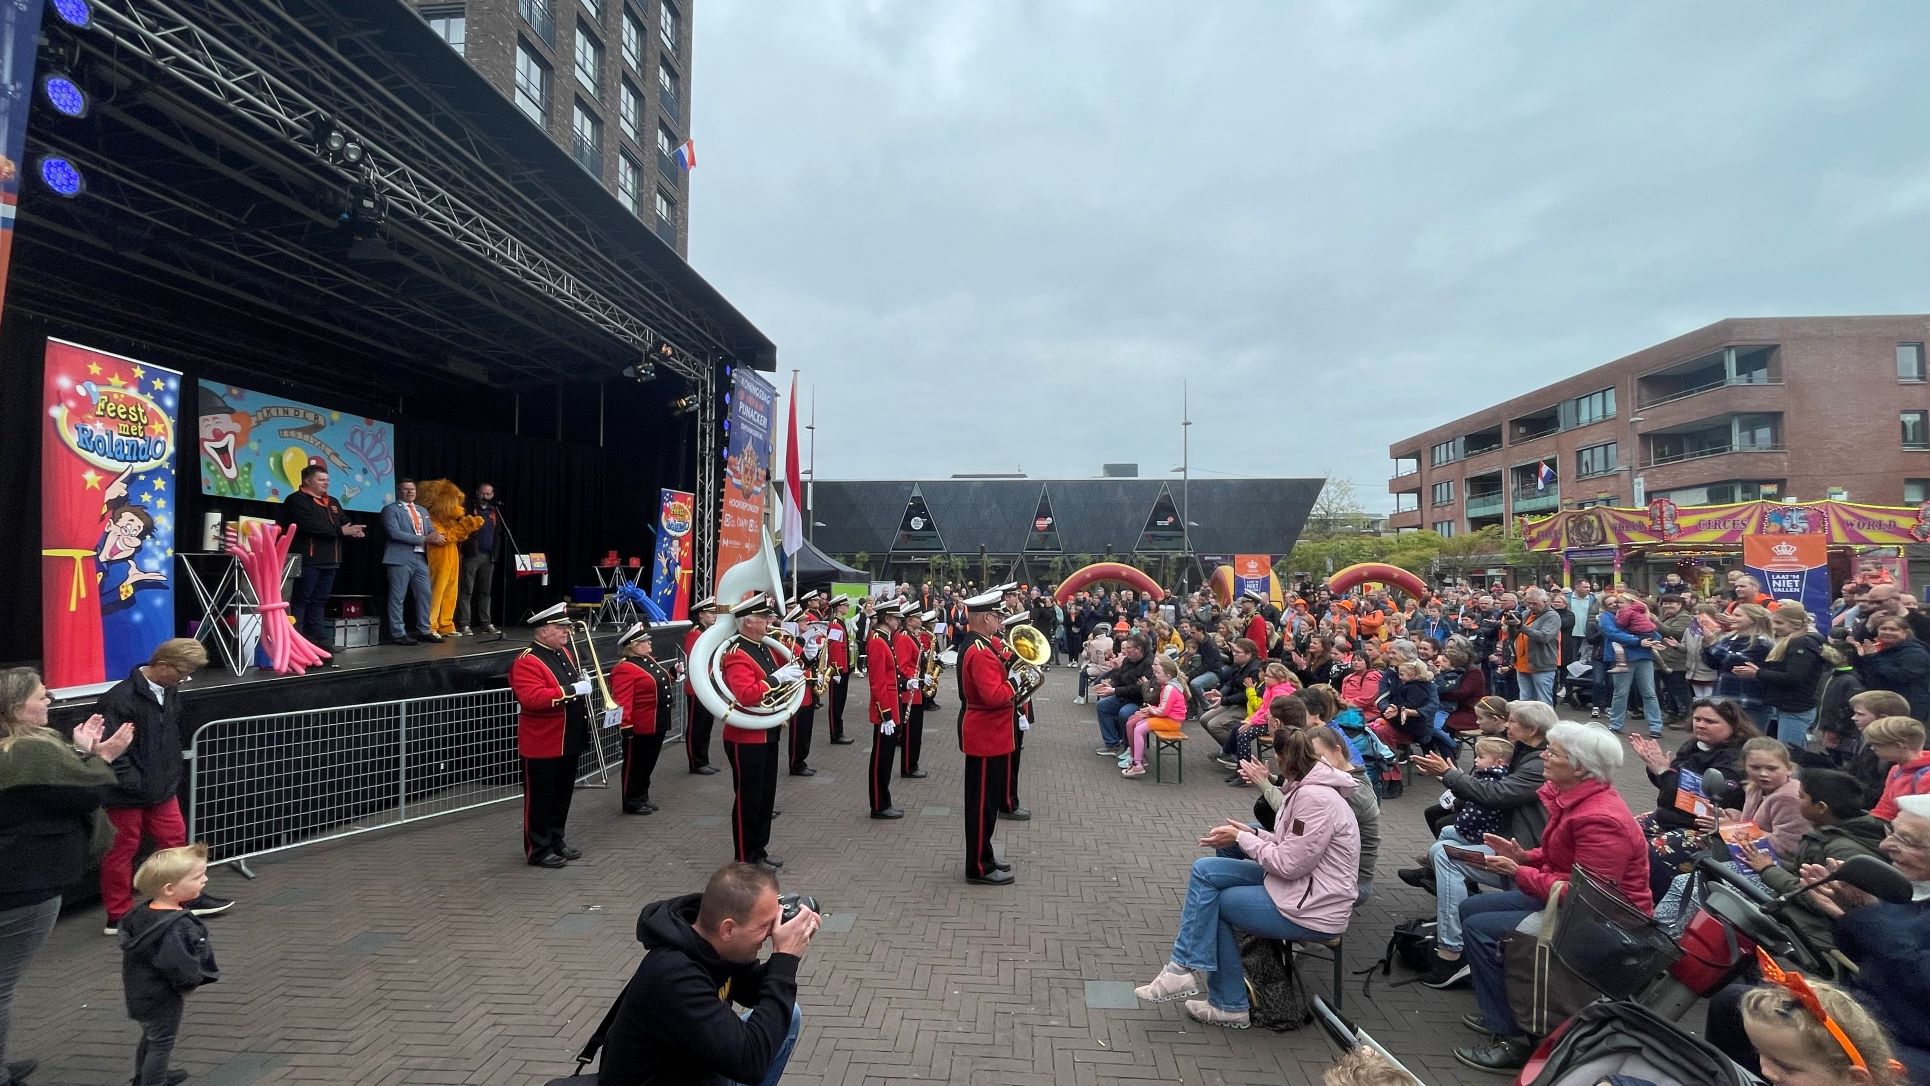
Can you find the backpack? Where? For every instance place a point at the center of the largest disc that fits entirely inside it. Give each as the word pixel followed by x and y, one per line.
pixel 1275 993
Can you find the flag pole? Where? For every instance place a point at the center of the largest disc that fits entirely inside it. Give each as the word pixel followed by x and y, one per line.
pixel 790 457
pixel 811 473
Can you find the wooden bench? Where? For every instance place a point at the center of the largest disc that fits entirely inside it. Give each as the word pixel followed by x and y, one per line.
pixel 1166 736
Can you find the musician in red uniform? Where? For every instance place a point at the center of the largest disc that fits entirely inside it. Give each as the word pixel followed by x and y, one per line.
pixel 552 731
pixel 1258 630
pixel 887 711
pixel 751 671
pixel 805 648
pixel 837 643
pixel 641 685
pixel 1009 808
pixel 697 719
pixel 985 736
pixel 919 640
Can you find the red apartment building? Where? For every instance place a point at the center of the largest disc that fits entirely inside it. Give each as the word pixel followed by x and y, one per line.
pixel 1742 409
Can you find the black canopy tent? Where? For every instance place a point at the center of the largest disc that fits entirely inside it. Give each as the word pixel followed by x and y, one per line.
pixel 817 569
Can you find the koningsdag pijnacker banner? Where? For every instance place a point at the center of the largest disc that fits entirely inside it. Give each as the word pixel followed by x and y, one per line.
pixel 107 506
pixel 747 469
pixel 670 569
pixel 20 33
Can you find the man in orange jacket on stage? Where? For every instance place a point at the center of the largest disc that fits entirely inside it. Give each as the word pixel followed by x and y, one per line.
pixel 697 719
pixel 751 671
pixel 887 705
pixel 552 731
pixel 985 736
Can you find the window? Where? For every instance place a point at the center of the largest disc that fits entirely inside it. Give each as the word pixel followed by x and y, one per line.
pixel 1916 432
pixel 586 133
pixel 449 24
pixel 666 143
pixel 595 8
pixel 1755 432
pixel 1443 493
pixel 667 24
pixel 1447 452
pixel 632 40
pixel 1916 491
pixel 1595 460
pixel 629 182
pixel 630 110
pixel 666 210
pixel 1595 407
pixel 537 14
pixel 589 58
pixel 1909 362
pixel 532 84
pixel 1592 502
pixel 1443 528
pixel 667 86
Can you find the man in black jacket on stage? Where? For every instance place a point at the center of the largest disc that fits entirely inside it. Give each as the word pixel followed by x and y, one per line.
pixel 674 1022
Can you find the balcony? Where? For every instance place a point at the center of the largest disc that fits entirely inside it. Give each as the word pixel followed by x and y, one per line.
pixel 537 14
pixel 1484 505
pixel 1404 520
pixel 587 154
pixel 1715 450
pixel 1529 500
pixel 667 166
pixel 668 99
pixel 667 230
pixel 1726 368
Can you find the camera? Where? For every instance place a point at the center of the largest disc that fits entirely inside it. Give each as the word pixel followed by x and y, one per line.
pixel 789 904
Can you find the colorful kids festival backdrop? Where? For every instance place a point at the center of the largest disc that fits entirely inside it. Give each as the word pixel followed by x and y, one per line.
pixel 255 445
pixel 670 569
pixel 747 469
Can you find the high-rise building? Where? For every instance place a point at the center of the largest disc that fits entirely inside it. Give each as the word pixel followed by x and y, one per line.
pixel 609 80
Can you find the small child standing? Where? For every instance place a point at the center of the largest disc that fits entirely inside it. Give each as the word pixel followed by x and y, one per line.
pixel 164 956
pixel 1491 754
pixel 1632 618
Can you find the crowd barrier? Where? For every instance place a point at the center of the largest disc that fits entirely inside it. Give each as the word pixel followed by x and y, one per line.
pixel 264 784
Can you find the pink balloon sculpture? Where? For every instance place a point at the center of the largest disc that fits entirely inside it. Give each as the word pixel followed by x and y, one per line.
pixel 263 553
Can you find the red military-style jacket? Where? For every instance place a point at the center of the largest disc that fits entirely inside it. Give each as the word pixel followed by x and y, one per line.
pixel 690 642
pixel 543 717
pixel 839 648
pixel 905 647
pixel 638 684
pixel 986 730
pixel 1257 630
pixel 748 667
pixel 796 646
pixel 881 671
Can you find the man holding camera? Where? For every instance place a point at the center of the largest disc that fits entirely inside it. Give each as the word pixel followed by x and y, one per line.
pixel 674 1022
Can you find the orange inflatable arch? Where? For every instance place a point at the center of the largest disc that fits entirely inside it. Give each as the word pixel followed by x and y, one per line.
pixel 1106 571
pixel 1380 573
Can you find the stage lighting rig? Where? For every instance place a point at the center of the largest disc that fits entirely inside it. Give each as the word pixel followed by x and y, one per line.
pixel 64 94
pixel 337 144
pixel 642 372
pixel 60 175
pixel 78 14
pixel 367 211
pixel 683 405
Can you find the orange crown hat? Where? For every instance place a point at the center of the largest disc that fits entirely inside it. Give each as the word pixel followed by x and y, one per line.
pixel 1805 997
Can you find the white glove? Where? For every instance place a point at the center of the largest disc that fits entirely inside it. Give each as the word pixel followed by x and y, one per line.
pixel 581 689
pixel 1024 724
pixel 888 728
pixel 838 678
pixel 790 672
pixel 907 684
pixel 810 651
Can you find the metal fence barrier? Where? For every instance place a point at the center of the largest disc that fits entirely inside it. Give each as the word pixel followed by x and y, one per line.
pixel 262 784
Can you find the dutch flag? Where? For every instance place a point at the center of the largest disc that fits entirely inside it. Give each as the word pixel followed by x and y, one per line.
pixel 1544 476
pixel 686 155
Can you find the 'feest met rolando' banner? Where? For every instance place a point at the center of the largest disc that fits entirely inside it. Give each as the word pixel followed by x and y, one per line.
pixel 670 568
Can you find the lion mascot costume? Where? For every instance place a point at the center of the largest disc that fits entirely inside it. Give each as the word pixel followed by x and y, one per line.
pixel 444 501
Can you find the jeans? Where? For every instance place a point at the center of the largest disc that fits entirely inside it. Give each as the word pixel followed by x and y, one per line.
pixel 1113 712
pixel 1600 683
pixel 158 1032
pixel 1793 728
pixel 1676 694
pixel 1485 919
pixel 1451 884
pixel 783 1056
pixel 1085 681
pixel 1204 681
pixel 308 602
pixel 1225 895
pixel 1640 674
pixel 22 931
pixel 1538 686
pixel 412 576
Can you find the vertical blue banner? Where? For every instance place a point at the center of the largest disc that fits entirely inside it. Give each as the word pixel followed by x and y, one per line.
pixel 670 569
pixel 19 37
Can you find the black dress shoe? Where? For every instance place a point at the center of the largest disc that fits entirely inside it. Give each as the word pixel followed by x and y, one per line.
pixel 433 638
pixel 915 775
pixel 1421 878
pixel 705 770
pixel 1473 1022
pixel 1016 814
pixel 568 852
pixel 888 812
pixel 841 741
pixel 807 771
pixel 548 859
pixel 777 814
pixel 771 862
pixel 1001 865
pixel 1501 1056
pixel 994 877
pixel 404 641
pixel 635 807
pixel 18 1070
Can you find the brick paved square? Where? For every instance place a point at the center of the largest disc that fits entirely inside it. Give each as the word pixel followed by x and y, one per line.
pixel 433 954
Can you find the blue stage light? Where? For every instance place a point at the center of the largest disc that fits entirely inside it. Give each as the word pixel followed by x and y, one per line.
pixel 62 176
pixel 77 13
pixel 64 95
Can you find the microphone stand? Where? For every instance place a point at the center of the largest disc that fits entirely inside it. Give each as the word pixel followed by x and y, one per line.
pixel 502 573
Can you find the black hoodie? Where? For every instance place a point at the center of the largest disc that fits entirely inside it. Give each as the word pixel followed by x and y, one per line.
pixel 675 1026
pixel 164 956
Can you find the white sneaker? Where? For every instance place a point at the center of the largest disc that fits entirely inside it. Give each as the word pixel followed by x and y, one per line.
pixel 1078 699
pixel 1169 986
pixel 1202 1011
pixel 464 632
pixel 1133 771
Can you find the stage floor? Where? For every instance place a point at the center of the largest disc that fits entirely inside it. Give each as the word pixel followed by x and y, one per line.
pixel 452 650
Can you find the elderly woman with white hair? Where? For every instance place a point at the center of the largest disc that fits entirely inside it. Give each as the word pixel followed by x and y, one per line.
pixel 1588 824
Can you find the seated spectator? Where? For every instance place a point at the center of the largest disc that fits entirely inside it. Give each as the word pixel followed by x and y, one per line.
pixel 1516 796
pixel 1171 705
pixel 1360 687
pixel 674 1022
pixel 1365 1066
pixel 1299 885
pixel 1866 709
pixel 1831 801
pixel 1893 659
pixel 1719 730
pixel 1461 687
pixel 1291 714
pixel 1227 706
pixel 1897 741
pixel 1814 1033
pixel 1277 683
pixel 1121 692
pixel 1769 795
pixel 1405 718
pixel 1094 660
pixel 1587 823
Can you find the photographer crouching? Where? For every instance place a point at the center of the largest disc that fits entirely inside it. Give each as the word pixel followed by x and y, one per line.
pixel 674 1023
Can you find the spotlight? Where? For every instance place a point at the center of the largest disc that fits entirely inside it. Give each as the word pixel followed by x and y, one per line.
pixel 367 211
pixel 75 13
pixel 645 370
pixel 663 350
pixel 337 144
pixel 683 405
pixel 64 94
pixel 61 175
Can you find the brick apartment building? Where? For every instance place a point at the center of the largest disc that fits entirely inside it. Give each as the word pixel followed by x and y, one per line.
pixel 609 80
pixel 1740 410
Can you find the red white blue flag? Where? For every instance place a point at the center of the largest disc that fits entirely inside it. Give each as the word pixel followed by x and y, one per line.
pixel 1544 476
pixel 686 155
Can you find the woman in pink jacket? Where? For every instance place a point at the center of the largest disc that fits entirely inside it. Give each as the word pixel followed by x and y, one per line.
pixel 1298 885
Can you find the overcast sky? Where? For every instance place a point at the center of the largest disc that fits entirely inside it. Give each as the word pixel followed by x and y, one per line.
pixel 1342 223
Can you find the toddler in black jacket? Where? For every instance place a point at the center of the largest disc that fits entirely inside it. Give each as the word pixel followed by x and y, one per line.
pixel 164 955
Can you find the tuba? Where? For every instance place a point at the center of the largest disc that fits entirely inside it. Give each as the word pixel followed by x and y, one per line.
pixel 1027 673
pixel 758 573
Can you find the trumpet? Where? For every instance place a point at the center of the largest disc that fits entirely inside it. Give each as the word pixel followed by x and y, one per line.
pixel 933 669
pixel 581 630
pixel 1027 673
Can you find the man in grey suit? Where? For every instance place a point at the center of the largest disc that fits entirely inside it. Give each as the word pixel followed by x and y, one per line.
pixel 406 560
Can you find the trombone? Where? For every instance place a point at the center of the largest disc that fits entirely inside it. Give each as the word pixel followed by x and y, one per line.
pixel 584 640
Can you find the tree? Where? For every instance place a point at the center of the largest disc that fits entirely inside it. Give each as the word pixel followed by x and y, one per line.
pixel 1336 512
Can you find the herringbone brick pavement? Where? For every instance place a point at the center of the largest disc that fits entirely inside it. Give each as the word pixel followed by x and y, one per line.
pixel 432 954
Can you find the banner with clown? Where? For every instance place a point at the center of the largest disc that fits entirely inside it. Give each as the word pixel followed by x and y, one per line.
pixel 670 569
pixel 255 444
pixel 107 513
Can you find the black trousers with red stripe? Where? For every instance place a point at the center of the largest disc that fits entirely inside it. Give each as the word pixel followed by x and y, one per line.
pixel 883 748
pixel 639 761
pixel 697 724
pixel 800 737
pixel 912 739
pixel 985 777
pixel 840 689
pixel 753 770
pixel 548 785
pixel 1010 801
